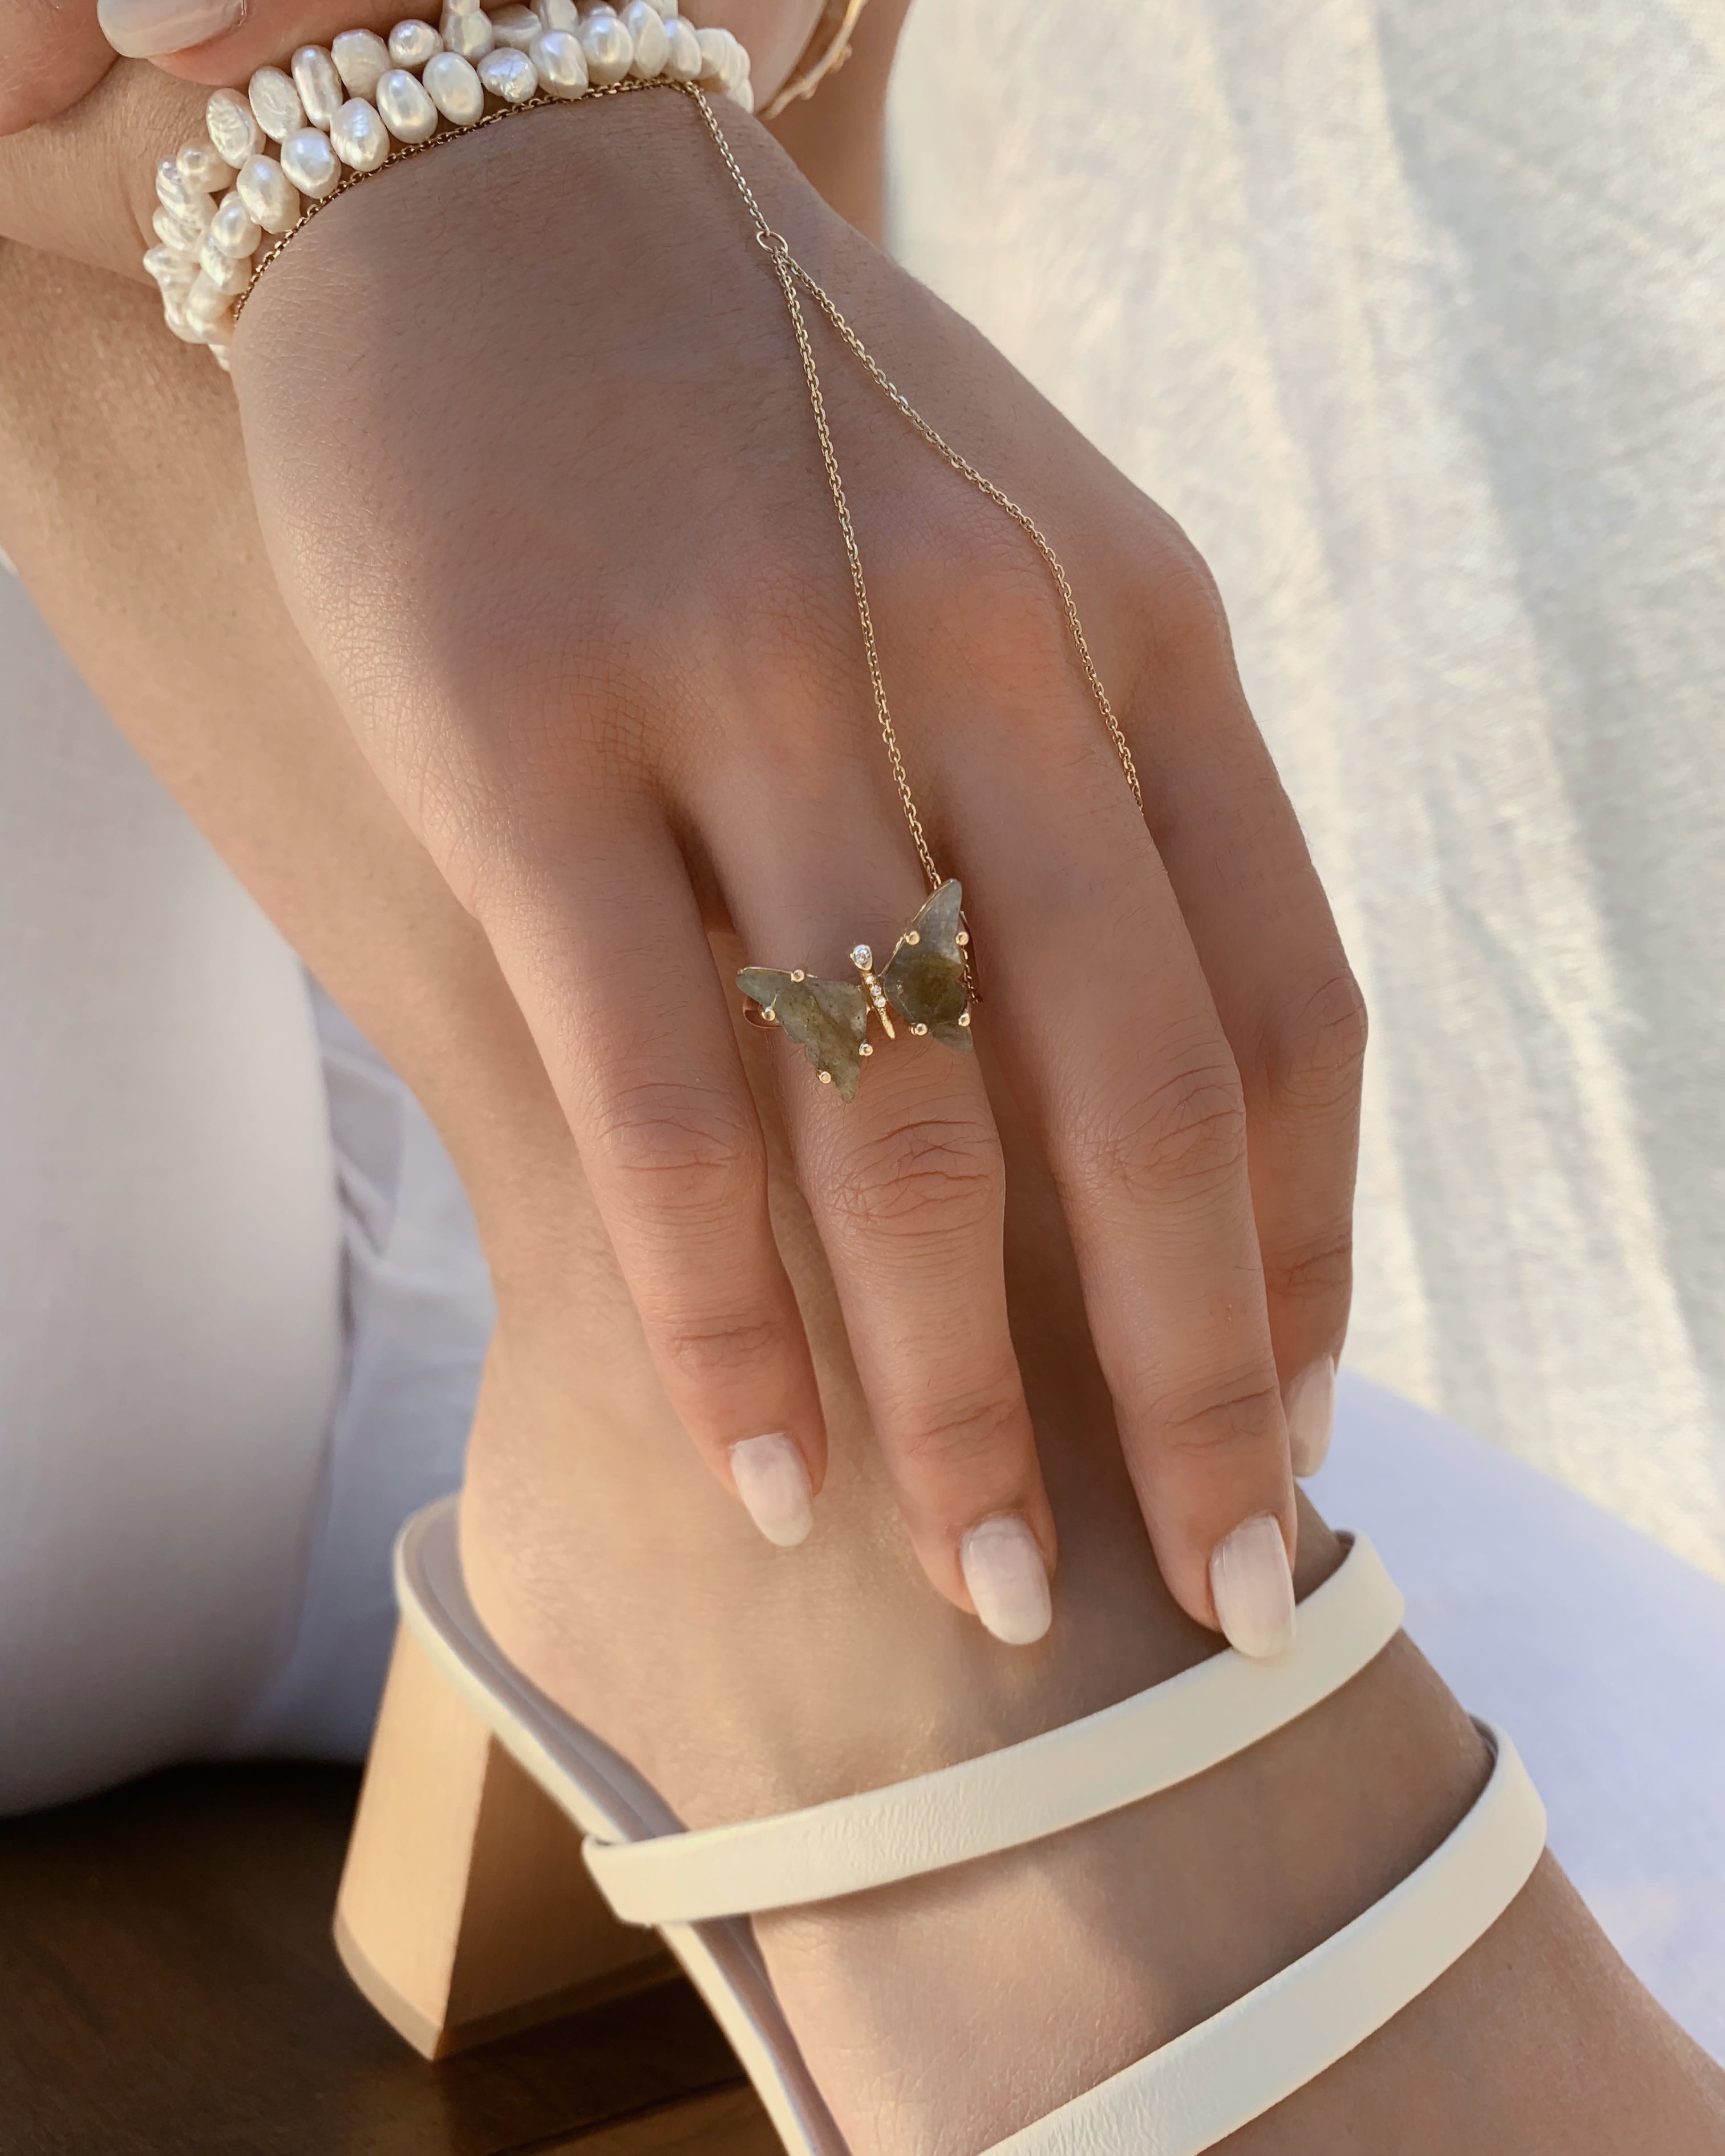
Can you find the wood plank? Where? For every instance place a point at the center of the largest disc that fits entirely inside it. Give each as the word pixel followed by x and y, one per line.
pixel 730 2122
pixel 168 1988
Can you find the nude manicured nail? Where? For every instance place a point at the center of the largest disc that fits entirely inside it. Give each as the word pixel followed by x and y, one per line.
pixel 144 30
pixel 1311 1410
pixel 1007 1579
pixel 773 1484
pixel 1253 1588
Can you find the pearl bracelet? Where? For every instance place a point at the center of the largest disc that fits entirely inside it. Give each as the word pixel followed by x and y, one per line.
pixel 346 109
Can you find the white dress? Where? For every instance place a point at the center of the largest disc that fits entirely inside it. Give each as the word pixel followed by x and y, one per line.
pixel 242 1309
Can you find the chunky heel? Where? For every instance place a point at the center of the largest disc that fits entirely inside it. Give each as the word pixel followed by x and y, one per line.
pixel 466 1910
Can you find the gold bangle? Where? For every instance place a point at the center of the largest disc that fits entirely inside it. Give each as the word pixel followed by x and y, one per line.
pixel 833 46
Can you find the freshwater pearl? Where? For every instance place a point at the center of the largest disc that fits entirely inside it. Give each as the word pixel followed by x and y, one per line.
pixel 234 230
pixel 713 57
pixel 179 235
pixel 610 50
pixel 231 126
pixel 558 14
pixel 358 136
pixel 202 168
pixel 514 27
pixel 454 88
pixel 407 112
pixel 269 196
pixel 683 62
pixel 467 32
pixel 319 85
pixel 509 76
pixel 665 9
pixel 413 43
pixel 223 271
pixel 309 163
pixel 206 306
pixel 360 56
pixel 559 63
pixel 173 313
pixel 179 200
pixel 276 104
pixel 647 34
pixel 174 273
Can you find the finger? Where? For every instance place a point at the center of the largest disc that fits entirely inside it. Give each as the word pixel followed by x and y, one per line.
pixel 50 57
pixel 1288 1004
pixel 907 1187
pixel 222 41
pixel 1095 998
pixel 601 943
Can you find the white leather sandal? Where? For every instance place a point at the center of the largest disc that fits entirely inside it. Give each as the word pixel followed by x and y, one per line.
pixel 466 1907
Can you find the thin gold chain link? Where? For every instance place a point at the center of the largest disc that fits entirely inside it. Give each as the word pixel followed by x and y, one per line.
pixel 791 273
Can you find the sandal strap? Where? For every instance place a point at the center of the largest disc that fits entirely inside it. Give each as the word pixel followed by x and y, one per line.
pixel 1019 1795
pixel 1215 2079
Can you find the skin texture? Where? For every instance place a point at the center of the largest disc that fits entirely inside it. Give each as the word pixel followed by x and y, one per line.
pixel 940 2015
pixel 603 785
pixel 605 780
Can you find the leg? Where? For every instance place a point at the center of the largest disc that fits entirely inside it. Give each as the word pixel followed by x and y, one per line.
pixel 744 1680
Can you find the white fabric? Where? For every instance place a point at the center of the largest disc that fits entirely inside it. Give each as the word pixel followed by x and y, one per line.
pixel 170 1248
pixel 242 1310
pixel 1217 2078
pixel 1020 1794
pixel 1410 314
pixel 1603 1653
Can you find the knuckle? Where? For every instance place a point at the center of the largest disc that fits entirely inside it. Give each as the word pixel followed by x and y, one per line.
pixel 954 1437
pixel 937 1176
pixel 678 1149
pixel 704 1350
pixel 1185 1136
pixel 1212 1429
pixel 1319 1274
pixel 1315 1053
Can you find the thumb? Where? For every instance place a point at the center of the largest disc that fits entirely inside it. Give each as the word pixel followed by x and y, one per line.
pixel 222 41
pixel 50 57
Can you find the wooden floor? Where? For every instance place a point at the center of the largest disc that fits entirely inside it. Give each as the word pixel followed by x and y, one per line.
pixel 168 1988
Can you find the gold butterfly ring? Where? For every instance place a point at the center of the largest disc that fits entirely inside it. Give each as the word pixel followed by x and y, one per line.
pixel 926 982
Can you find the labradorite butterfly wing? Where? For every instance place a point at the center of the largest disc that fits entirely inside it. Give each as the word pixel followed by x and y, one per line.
pixel 827 1020
pixel 924 980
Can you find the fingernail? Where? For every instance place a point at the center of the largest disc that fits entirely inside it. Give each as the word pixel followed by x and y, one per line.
pixel 1007 1579
pixel 1311 1410
pixel 1253 1588
pixel 773 1484
pixel 144 30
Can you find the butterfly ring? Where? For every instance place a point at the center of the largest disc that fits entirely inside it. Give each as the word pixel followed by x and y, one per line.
pixel 926 982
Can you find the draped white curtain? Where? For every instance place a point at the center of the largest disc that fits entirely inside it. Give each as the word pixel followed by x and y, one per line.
pixel 1412 313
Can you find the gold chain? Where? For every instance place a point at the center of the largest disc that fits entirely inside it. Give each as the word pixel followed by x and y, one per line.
pixel 791 274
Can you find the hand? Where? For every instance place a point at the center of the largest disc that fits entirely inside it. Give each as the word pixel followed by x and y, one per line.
pixel 50 56
pixel 530 446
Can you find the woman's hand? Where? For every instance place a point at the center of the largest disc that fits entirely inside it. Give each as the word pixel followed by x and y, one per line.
pixel 536 465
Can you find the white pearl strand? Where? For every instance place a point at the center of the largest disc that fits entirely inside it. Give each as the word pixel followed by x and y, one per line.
pixel 343 110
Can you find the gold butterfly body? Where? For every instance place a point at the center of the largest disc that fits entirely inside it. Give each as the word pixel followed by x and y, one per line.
pixel 925 983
